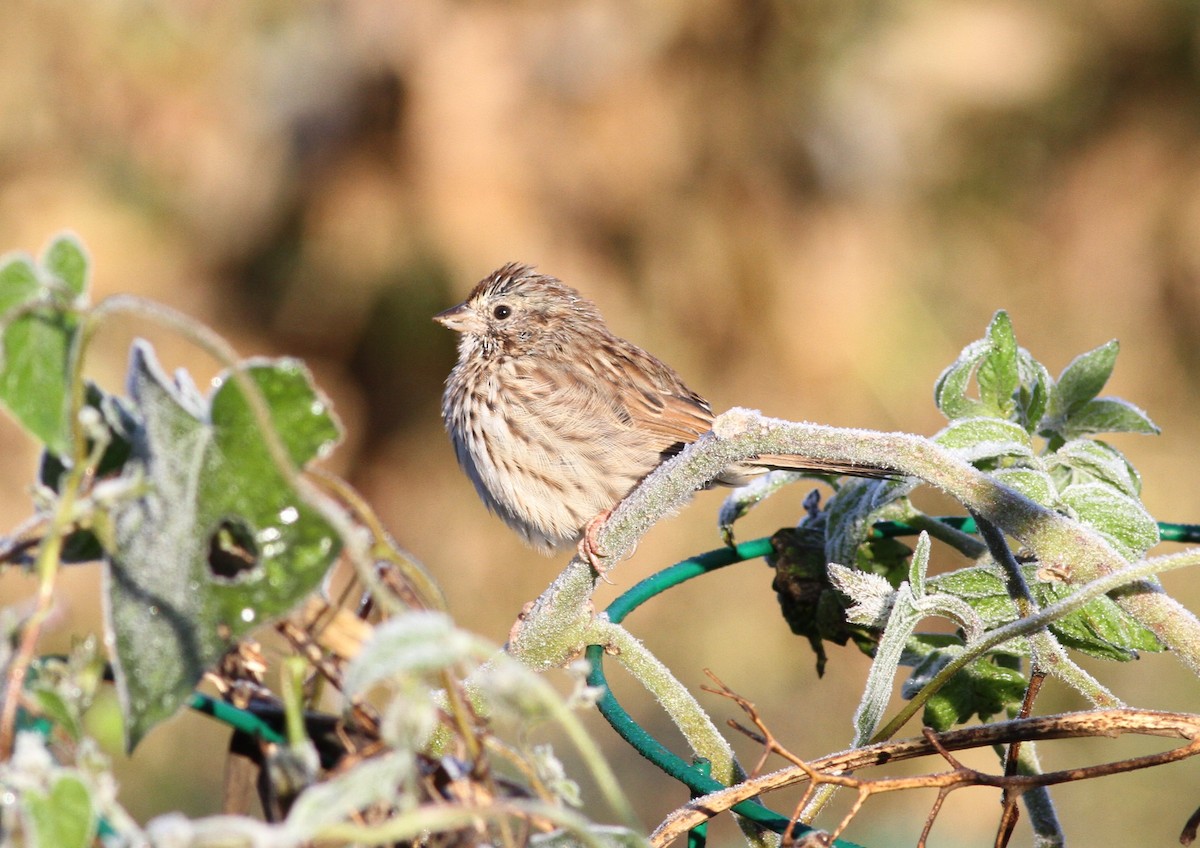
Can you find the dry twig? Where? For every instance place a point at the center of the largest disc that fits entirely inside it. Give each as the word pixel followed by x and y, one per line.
pixel 836 768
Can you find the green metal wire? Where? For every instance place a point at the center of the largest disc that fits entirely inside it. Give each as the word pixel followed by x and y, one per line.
pixel 683 571
pixel 1179 532
pixel 891 529
pixel 1168 531
pixel 698 835
pixel 694 777
pixel 243 720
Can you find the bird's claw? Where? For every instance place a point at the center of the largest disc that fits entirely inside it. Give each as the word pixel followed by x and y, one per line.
pixel 589 546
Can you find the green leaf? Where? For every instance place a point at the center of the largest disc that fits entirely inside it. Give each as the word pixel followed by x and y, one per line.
pixel 1108 415
pixel 1100 628
pixel 1034 391
pixel 1082 380
pixel 303 420
pixel 18 281
pixel 66 260
pixel 989 686
pixel 998 370
pixel 52 705
pixel 1033 484
pixel 984 441
pixel 221 542
pixel 1121 519
pixel 64 818
pixel 33 382
pixel 852 512
pixel 1088 460
pixel 950 391
pixel 982 587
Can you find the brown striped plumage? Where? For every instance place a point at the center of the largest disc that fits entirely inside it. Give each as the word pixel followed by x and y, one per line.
pixel 555 419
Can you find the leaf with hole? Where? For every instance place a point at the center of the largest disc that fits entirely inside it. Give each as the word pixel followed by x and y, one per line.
pixel 221 541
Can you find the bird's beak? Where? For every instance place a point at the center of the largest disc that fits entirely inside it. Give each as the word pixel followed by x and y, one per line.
pixel 459 318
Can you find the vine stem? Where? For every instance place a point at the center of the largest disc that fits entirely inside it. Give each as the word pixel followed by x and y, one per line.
pixel 556 624
pixel 49 554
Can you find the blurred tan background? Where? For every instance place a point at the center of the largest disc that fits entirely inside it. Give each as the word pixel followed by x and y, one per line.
pixel 807 208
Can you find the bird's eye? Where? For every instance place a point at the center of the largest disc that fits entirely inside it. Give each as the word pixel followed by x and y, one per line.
pixel 501 312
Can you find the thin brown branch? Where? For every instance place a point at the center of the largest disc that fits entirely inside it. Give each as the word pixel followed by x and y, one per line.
pixel 1011 812
pixel 833 768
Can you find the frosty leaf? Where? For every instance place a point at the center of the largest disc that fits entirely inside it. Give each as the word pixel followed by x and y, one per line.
pixel 983 588
pixel 871 596
pixel 1088 460
pixel 986 687
pixel 1108 415
pixel 1116 516
pixel 984 440
pixel 1081 381
pixel 998 372
pixel 744 498
pixel 950 391
pixel 1033 484
pixel 220 542
pixel 1013 386
pixel 414 644
pixel 851 514
pixel 1033 392
pixel 1100 628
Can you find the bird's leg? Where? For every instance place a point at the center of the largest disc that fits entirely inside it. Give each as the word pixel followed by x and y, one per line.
pixel 589 545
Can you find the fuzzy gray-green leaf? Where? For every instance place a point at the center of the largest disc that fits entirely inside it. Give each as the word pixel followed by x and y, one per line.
pixel 1116 516
pixel 220 542
pixel 950 391
pixel 1088 460
pixel 982 440
pixel 1108 415
pixel 998 371
pixel 1031 482
pixel 1082 380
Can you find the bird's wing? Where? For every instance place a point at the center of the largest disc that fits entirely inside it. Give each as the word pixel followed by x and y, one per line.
pixel 650 397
